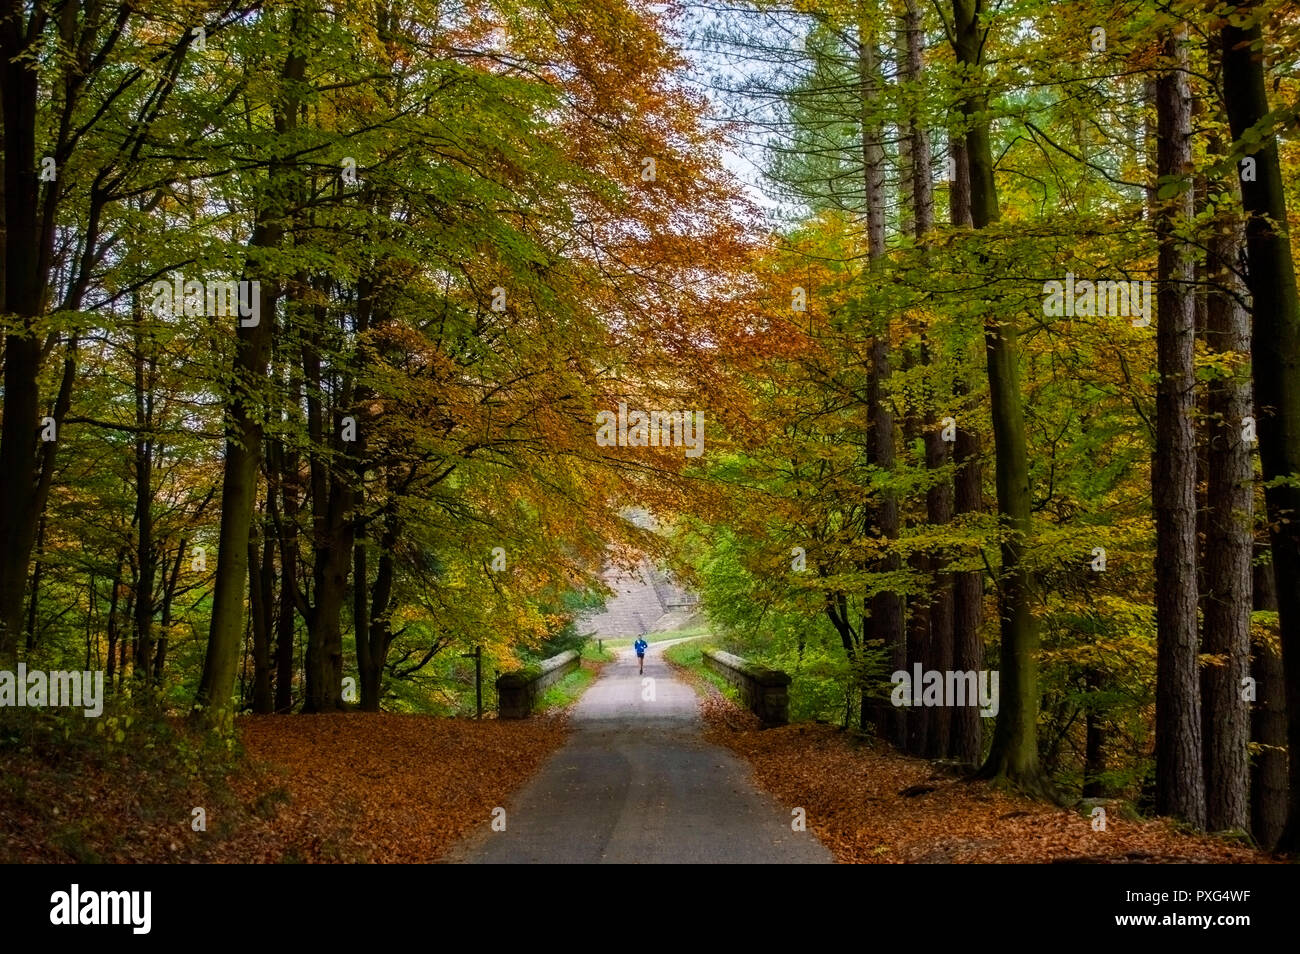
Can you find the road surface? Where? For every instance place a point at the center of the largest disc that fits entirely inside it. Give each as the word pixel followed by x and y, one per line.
pixel 636 783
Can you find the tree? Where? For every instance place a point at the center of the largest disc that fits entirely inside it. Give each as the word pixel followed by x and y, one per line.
pixel 1229 540
pixel 1014 755
pixel 1275 319
pixel 244 427
pixel 1179 775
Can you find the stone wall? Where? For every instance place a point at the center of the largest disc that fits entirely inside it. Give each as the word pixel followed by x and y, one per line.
pixel 765 691
pixel 518 691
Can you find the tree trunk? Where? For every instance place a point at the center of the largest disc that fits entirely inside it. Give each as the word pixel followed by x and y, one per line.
pixel 1268 776
pixel 1276 365
pixel 1180 788
pixel 244 431
pixel 333 527
pixel 886 607
pixel 146 555
pixel 1014 755
pixel 938 616
pixel 111 628
pixel 261 589
pixel 164 629
pixel 1229 545
pixel 1094 745
pixel 33 602
pixel 27 252
pixel 959 213
pixel 284 488
pixel 966 736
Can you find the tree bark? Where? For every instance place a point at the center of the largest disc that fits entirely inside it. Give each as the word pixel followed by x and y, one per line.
pixel 1229 546
pixel 1276 365
pixel 1268 776
pixel 1180 788
pixel 887 606
pixel 1014 753
pixel 261 588
pixel 244 428
pixel 1094 745
pixel 966 742
pixel 333 527
pixel 283 502
pixel 164 627
pixel 27 253
pixel 146 554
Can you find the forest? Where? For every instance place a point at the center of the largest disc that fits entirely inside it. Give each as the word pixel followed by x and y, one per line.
pixel 954 347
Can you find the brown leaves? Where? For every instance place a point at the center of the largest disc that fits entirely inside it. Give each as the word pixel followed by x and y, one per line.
pixel 346 787
pixel 870 805
pixel 388 788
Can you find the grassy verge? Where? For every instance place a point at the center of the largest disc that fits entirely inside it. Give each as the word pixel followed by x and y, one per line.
pixel 566 692
pixel 592 652
pixel 688 660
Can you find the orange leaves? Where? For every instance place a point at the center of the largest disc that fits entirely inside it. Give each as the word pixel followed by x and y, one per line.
pixel 386 788
pixel 348 787
pixel 856 805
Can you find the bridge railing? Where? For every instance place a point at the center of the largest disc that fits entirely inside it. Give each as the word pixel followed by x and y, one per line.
pixel 766 692
pixel 519 690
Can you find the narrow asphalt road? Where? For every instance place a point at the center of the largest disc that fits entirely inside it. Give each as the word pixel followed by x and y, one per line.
pixel 637 784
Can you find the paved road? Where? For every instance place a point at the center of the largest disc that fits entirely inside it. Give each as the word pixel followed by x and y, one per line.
pixel 637 784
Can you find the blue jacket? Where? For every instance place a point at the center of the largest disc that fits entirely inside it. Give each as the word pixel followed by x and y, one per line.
pixel 640 646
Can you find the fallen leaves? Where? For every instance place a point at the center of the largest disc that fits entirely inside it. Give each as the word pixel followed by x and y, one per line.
pixel 344 787
pixel 870 805
pixel 389 788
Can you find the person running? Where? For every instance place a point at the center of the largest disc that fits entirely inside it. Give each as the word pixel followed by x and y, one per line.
pixel 640 647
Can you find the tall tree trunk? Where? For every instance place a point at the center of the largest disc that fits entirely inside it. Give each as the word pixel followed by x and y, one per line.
pixel 1229 545
pixel 1180 788
pixel 146 555
pixel 966 742
pixel 886 607
pixel 284 504
pixel 938 616
pixel 1094 744
pixel 1276 364
pixel 113 626
pixel 922 188
pixel 243 424
pixel 165 623
pixel 917 614
pixel 287 618
pixel 333 526
pixel 939 507
pixel 27 254
pixel 377 634
pixel 33 602
pixel 261 589
pixel 1014 755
